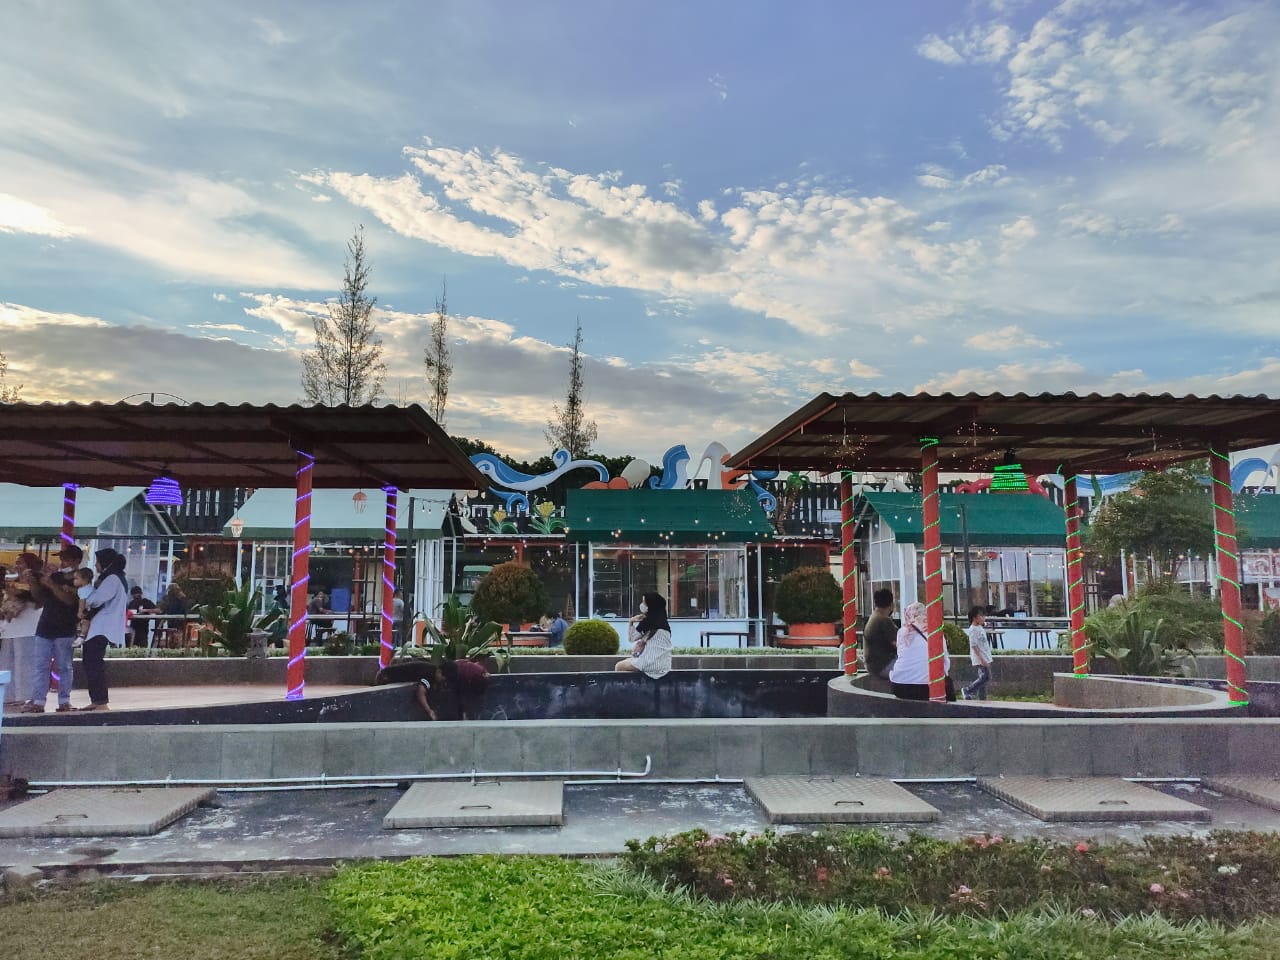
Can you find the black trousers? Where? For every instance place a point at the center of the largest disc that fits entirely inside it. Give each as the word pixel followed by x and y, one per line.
pixel 95 668
pixel 920 691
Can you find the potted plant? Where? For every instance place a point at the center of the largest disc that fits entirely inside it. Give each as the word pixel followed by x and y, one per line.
pixel 510 593
pixel 808 602
pixel 233 621
pixel 464 638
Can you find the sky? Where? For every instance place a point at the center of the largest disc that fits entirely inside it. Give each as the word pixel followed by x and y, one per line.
pixel 744 203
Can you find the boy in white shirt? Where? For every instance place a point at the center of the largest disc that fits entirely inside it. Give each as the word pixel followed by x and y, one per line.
pixel 979 655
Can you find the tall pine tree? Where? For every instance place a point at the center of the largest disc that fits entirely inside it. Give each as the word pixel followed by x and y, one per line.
pixel 436 359
pixel 569 428
pixel 345 366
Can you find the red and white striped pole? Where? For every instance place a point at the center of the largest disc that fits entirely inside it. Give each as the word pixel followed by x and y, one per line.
pixel 67 536
pixel 297 671
pixel 1075 578
pixel 849 578
pixel 388 577
pixel 933 567
pixel 1224 526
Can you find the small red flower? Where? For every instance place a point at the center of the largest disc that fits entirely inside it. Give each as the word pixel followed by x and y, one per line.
pixel 822 874
pixel 1082 848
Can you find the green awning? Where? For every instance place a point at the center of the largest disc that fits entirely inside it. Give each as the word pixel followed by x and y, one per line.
pixel 1258 521
pixel 268 514
pixel 36 512
pixel 666 516
pixel 993 519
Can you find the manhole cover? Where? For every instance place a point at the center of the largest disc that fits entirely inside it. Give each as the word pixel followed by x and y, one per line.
pixel 837 800
pixel 509 803
pixel 101 812
pixel 1089 798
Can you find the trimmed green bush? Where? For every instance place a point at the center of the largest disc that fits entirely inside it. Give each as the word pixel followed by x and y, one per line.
pixel 1191 622
pixel 957 639
pixel 808 595
pixel 591 638
pixel 510 593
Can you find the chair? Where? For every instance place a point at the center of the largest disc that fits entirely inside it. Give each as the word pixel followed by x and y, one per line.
pixel 1039 638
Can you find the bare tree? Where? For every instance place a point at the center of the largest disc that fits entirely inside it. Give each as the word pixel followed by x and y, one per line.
pixel 8 394
pixel 436 358
pixel 569 428
pixel 345 365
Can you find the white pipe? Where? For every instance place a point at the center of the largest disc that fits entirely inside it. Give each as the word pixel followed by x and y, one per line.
pixel 322 779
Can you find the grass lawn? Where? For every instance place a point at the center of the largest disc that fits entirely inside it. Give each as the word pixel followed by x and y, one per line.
pixel 276 919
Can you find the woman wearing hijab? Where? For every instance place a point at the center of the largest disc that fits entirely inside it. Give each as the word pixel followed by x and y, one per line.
pixel 649 634
pixel 106 607
pixel 910 672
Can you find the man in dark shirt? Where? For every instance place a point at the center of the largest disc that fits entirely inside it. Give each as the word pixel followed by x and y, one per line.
pixel 880 636
pixel 139 604
pixel 56 630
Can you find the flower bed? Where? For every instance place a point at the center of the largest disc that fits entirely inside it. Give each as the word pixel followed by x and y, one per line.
pixel 1225 876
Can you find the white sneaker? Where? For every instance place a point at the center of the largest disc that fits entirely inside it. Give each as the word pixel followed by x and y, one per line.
pixel 964 694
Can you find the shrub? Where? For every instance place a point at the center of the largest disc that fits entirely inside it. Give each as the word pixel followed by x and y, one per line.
pixel 1266 641
pixel 808 595
pixel 957 639
pixel 510 593
pixel 1225 876
pixel 1189 621
pixel 591 637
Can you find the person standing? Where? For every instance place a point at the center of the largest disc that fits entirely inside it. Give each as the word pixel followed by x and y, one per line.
pixel 879 637
pixel 19 614
pixel 649 633
pixel 56 631
pixel 910 672
pixel 979 655
pixel 106 607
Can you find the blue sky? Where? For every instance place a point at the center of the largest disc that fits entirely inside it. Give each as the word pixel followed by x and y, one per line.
pixel 745 203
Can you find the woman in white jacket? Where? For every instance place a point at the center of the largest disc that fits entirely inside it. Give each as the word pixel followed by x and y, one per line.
pixel 649 633
pixel 106 607
pixel 19 615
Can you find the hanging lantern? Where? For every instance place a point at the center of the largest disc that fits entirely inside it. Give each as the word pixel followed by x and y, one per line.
pixel 164 492
pixel 1007 476
pixel 360 500
pixel 237 526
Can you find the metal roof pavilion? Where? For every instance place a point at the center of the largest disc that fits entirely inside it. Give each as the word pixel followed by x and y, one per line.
pixel 220 445
pixel 1102 434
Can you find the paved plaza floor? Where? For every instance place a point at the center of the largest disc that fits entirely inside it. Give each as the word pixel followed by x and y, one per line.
pixel 317 828
pixel 206 695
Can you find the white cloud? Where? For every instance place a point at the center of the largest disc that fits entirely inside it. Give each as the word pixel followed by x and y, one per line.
pixel 935 48
pixel 719 85
pixel 863 371
pixel 221 298
pixel 21 216
pixel 1016 235
pixel 1007 339
pixel 271 32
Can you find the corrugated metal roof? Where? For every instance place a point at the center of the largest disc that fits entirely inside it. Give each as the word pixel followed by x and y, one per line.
pixel 269 515
pixel 677 516
pixel 1089 433
pixel 993 519
pixel 220 445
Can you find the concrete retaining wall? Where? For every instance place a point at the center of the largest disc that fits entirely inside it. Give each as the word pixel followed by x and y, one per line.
pixel 1117 693
pixel 679 748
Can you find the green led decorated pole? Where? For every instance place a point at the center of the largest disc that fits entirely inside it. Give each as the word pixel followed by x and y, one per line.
pixel 849 577
pixel 1224 526
pixel 933 567
pixel 1075 579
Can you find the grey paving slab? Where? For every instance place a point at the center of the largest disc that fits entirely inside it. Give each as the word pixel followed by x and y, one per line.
pixel 485 803
pixel 1089 798
pixel 838 800
pixel 1260 790
pixel 101 812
